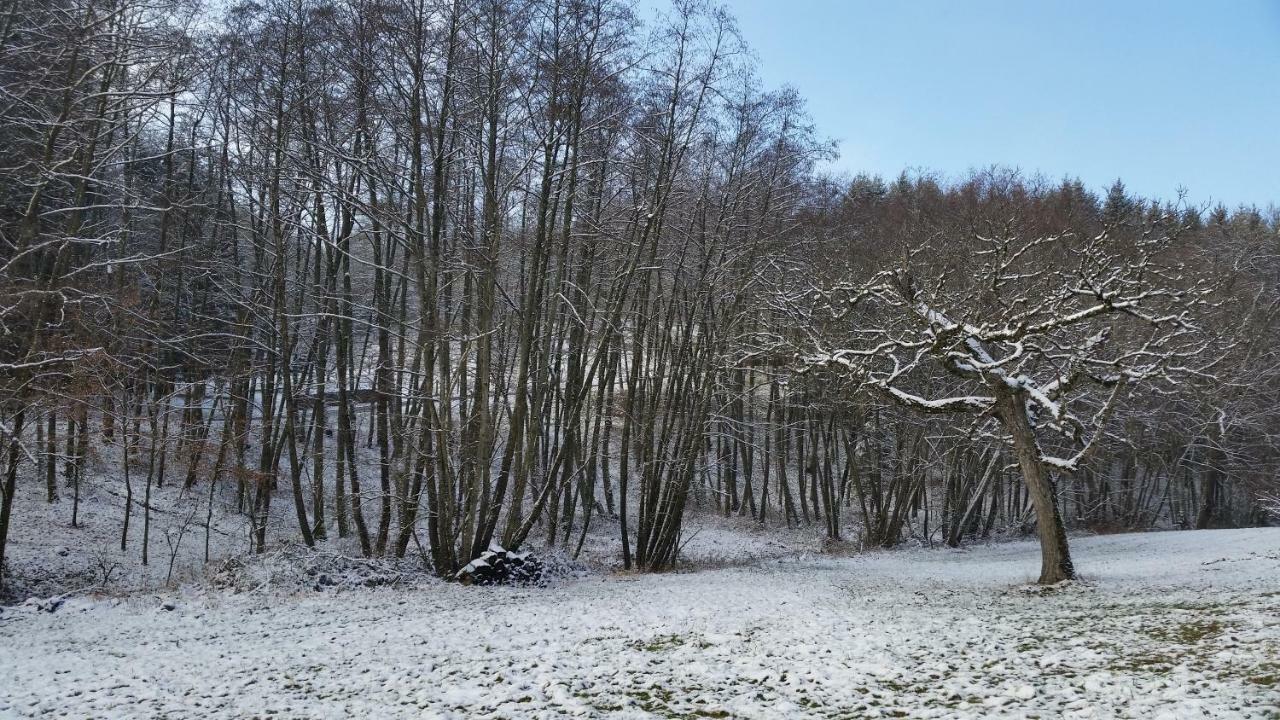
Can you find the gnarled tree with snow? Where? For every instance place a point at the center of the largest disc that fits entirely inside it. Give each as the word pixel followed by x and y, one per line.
pixel 1038 338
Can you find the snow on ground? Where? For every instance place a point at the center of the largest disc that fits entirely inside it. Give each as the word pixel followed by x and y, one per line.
pixel 1165 625
pixel 48 556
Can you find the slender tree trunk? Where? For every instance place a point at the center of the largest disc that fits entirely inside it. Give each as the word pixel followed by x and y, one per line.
pixel 10 487
pixel 51 457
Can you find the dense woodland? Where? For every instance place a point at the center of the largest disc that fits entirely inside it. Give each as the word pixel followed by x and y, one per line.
pixel 419 276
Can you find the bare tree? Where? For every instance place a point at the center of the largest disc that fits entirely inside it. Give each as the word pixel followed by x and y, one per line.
pixel 1025 329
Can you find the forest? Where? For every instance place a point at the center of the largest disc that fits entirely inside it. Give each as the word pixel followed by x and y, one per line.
pixel 323 323
pixel 411 278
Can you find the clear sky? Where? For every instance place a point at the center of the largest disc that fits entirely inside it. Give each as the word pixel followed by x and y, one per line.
pixel 1160 93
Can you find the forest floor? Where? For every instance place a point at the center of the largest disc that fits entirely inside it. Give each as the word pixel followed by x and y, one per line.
pixel 1162 625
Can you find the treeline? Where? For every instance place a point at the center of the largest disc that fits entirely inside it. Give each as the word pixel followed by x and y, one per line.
pixel 444 273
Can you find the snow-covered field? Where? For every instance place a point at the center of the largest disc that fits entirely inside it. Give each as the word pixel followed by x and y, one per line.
pixel 1164 625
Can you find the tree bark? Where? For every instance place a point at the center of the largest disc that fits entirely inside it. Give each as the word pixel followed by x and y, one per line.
pixel 10 487
pixel 1055 556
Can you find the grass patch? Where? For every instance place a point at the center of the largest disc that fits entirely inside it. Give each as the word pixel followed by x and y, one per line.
pixel 667 642
pixel 1266 675
pixel 660 643
pixel 1190 633
pixel 661 701
pixel 1269 680
pixel 1146 662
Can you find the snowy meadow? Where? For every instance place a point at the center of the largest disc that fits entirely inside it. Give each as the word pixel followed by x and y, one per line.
pixel 1161 625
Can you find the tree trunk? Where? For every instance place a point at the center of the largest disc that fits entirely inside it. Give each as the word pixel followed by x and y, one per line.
pixel 1209 486
pixel 10 487
pixel 1055 557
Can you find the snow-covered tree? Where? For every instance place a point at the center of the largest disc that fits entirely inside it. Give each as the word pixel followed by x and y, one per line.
pixel 1040 338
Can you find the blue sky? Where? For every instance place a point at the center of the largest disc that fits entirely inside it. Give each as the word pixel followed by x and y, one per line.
pixel 1162 94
